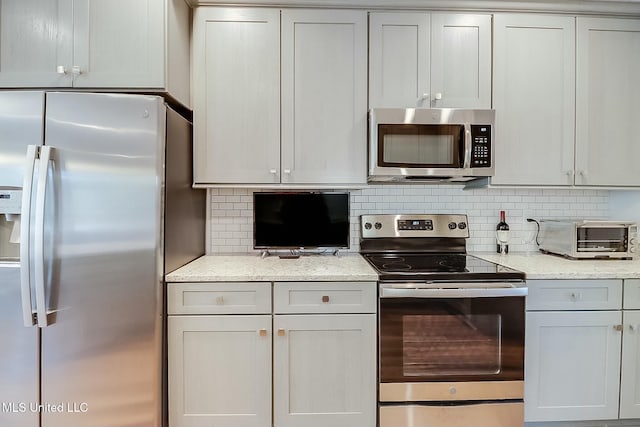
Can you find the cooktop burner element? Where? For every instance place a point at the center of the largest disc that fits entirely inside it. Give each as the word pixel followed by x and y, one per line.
pixel 434 253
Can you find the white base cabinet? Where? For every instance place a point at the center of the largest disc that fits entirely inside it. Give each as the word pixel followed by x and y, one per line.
pixel 582 352
pixel 224 365
pixel 319 378
pixel 220 371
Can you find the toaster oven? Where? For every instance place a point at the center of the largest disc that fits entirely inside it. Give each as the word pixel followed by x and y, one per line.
pixel 589 239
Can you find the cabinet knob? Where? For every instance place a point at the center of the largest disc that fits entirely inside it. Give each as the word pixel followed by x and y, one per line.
pixel 263 332
pixel 281 332
pixel 273 171
pixel 437 97
pixel 60 69
pixel 617 327
pixel 75 70
pixel 633 328
pixel 423 98
pixel 325 298
pixel 287 171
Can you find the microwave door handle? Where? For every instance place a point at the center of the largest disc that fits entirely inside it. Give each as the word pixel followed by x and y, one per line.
pixel 467 146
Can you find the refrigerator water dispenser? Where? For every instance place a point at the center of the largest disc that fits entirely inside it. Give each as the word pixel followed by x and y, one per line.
pixel 10 202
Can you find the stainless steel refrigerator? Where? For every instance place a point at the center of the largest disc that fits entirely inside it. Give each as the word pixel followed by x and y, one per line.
pixel 96 205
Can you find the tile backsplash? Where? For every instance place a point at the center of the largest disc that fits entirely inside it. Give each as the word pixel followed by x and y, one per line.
pixel 231 221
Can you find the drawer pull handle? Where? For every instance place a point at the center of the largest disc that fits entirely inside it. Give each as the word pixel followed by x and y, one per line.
pixel 220 300
pixel 325 298
pixel 263 332
pixel 281 332
pixel 617 327
pixel 575 296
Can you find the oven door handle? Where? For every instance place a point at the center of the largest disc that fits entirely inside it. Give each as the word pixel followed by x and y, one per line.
pixel 403 292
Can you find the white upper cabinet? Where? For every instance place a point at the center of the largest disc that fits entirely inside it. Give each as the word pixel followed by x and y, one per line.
pixel 280 97
pixel 534 99
pixel 35 37
pixel 96 44
pixel 324 96
pixel 608 89
pixel 118 43
pixel 429 60
pixel 236 77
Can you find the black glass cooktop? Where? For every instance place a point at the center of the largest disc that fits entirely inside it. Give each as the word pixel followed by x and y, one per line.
pixel 442 267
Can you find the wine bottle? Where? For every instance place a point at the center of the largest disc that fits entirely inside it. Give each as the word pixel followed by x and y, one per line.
pixel 502 235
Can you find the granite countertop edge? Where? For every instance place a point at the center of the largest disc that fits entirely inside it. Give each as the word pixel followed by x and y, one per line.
pixel 543 266
pixel 253 268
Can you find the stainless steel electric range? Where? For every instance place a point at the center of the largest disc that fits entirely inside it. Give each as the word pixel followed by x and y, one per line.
pixel 451 326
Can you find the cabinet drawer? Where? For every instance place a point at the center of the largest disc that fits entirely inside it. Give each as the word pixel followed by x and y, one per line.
pixel 219 298
pixel 325 297
pixel 574 295
pixel 632 294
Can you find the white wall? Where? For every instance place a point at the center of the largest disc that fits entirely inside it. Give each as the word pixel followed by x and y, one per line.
pixel 231 222
pixel 625 205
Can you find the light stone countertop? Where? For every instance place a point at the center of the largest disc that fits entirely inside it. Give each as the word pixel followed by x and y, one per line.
pixel 542 266
pixel 245 268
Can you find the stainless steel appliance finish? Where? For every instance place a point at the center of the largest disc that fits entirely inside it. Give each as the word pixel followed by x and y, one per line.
pixel 85 300
pixel 589 239
pixel 430 145
pixel 451 326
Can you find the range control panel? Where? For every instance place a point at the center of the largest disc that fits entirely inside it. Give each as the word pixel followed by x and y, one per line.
pixel 414 225
pixel 480 146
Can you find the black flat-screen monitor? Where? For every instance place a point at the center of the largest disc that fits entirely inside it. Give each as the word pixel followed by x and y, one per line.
pixel 300 220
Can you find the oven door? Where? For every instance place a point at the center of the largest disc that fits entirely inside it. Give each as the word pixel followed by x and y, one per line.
pixel 461 344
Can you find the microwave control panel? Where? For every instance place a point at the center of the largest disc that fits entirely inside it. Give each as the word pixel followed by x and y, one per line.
pixel 480 146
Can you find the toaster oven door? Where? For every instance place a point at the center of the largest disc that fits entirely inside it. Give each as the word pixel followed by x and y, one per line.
pixel 602 239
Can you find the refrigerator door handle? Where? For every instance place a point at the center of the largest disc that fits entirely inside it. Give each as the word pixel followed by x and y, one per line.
pixel 41 300
pixel 25 242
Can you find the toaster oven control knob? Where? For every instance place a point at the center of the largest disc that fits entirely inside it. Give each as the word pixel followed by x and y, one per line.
pixel 453 226
pixel 462 225
pixel 367 226
pixel 632 249
pixel 378 226
pixel 632 241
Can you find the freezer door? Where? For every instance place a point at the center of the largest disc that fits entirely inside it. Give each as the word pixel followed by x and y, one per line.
pixel 21 124
pixel 102 350
pixel 18 355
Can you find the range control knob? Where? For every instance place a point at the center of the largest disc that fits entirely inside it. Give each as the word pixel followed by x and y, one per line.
pixel 378 226
pixel 367 226
pixel 453 226
pixel 462 225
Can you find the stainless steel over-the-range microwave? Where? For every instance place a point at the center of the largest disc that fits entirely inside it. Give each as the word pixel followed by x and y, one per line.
pixel 440 144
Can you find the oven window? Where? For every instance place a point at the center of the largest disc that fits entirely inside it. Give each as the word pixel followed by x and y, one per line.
pixel 447 344
pixel 420 145
pixel 600 239
pixel 441 339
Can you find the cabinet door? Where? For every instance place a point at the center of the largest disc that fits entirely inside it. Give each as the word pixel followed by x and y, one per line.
pixel 324 371
pixel 607 125
pixel 534 99
pixel 630 386
pixel 324 96
pixel 236 71
pixel 119 43
pixel 399 60
pixel 35 38
pixel 572 365
pixel 460 61
pixel 219 371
